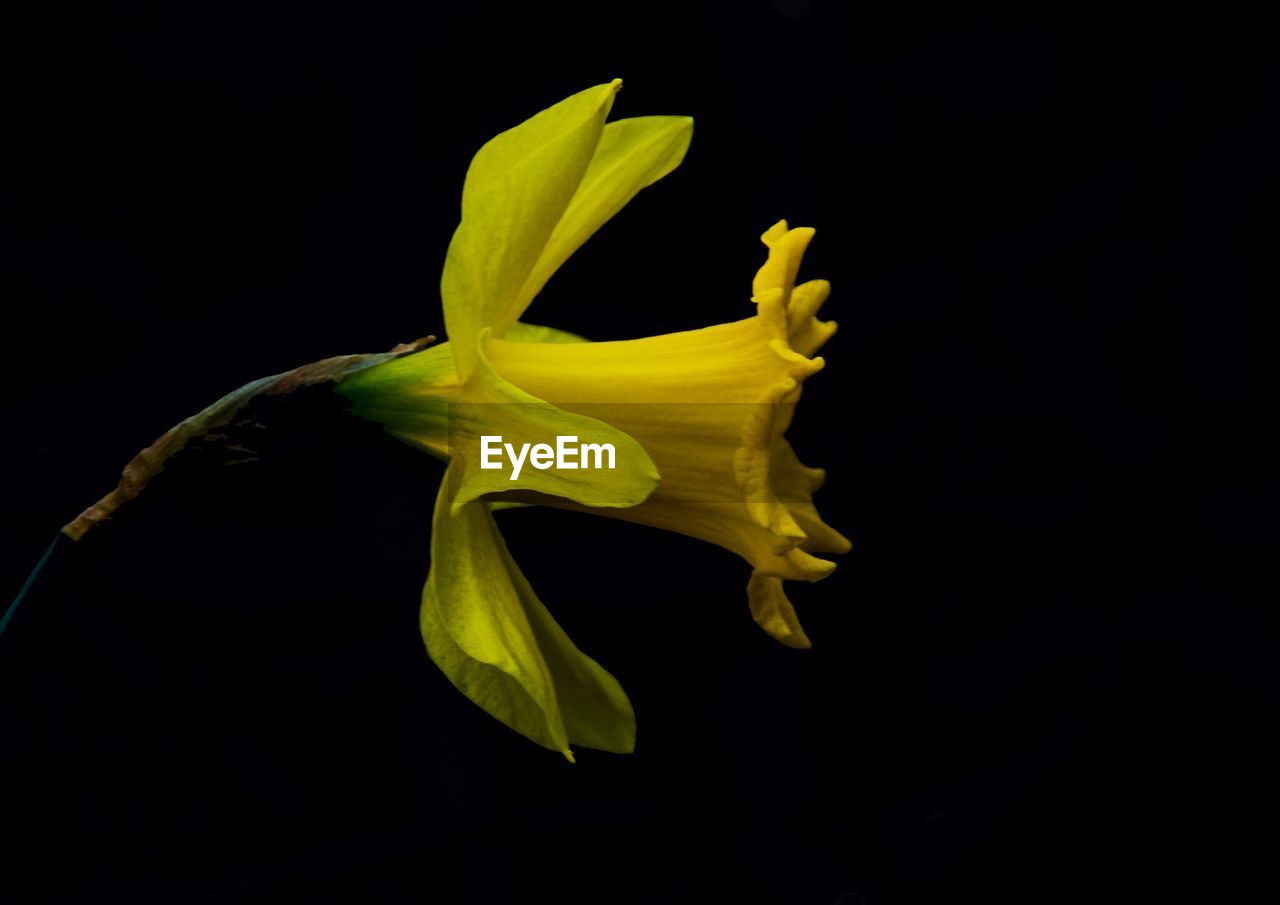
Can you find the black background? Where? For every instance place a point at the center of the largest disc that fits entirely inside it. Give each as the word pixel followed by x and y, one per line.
pixel 1047 671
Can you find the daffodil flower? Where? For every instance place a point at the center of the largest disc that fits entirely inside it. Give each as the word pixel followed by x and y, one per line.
pixel 697 418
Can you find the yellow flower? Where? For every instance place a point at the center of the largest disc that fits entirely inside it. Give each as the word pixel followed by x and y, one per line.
pixel 696 418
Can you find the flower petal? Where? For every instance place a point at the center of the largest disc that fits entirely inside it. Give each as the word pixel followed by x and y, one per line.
pixel 516 190
pixel 786 250
pixel 632 154
pixel 492 406
pixel 486 629
pixel 774 612
pixel 776 279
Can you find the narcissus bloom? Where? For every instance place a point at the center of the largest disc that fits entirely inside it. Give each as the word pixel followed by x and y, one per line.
pixel 697 418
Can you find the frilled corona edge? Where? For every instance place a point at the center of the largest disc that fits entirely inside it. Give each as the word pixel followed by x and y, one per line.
pixel 766 459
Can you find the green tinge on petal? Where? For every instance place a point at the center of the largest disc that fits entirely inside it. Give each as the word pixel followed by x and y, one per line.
pixel 492 406
pixel 517 188
pixel 486 629
pixel 533 333
pixel 408 396
pixel 632 154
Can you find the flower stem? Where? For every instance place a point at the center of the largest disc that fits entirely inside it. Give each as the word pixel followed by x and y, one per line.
pixel 27 585
pixel 206 424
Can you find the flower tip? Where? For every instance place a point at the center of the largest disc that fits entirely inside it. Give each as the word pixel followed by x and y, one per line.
pixel 616 84
pixel 773 233
pixel 774 613
pixel 797 642
pixel 568 755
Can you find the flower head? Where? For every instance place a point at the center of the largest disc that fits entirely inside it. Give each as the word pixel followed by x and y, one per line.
pixel 697 418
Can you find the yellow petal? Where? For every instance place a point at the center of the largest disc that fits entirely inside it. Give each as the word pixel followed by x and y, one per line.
pixel 776 279
pixel 773 611
pixel 632 154
pixel 486 629
pixel 516 190
pixel 807 333
pixel 491 406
